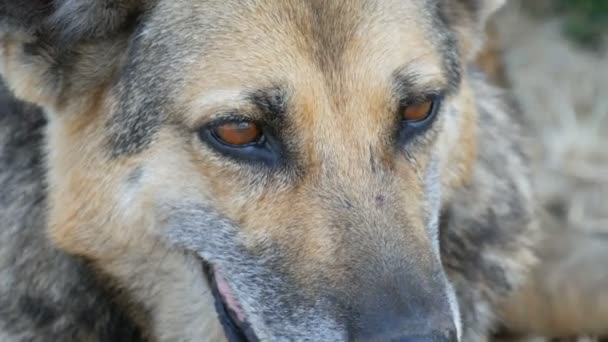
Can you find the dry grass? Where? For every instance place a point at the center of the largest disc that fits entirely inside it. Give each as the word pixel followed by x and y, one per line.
pixel 563 91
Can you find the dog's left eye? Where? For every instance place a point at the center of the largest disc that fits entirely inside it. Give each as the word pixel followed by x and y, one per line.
pixel 418 111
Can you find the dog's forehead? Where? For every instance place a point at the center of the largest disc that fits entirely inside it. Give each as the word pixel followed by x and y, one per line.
pixel 345 46
pixel 332 35
pixel 272 35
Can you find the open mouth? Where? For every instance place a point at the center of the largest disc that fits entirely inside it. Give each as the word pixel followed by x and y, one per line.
pixel 229 312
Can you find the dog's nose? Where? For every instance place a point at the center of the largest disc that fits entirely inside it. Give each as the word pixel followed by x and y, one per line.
pixel 447 337
pixel 429 321
pixel 384 336
pixel 402 310
pixel 427 338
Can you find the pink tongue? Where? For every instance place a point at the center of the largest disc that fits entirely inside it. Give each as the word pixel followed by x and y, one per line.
pixel 228 296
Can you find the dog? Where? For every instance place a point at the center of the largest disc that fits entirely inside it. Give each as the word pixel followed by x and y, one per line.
pixel 257 170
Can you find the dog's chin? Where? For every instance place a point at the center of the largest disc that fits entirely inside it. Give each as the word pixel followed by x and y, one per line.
pixel 235 325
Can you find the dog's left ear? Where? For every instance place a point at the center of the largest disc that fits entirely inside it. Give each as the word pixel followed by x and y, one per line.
pixel 469 18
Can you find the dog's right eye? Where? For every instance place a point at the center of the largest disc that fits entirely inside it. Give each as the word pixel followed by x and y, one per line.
pixel 243 140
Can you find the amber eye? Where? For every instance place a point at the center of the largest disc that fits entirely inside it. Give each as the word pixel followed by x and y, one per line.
pixel 238 133
pixel 418 111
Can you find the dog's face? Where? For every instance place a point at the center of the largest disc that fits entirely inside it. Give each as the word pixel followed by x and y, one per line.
pixel 287 156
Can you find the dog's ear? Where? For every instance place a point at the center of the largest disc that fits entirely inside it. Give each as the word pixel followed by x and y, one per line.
pixel 469 18
pixel 53 49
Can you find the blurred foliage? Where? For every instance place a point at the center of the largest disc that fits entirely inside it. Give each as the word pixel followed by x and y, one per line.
pixel 585 21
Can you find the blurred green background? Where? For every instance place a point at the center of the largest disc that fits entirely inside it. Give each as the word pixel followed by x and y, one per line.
pixel 585 21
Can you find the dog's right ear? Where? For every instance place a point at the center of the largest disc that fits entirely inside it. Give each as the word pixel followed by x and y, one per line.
pixel 469 18
pixel 51 50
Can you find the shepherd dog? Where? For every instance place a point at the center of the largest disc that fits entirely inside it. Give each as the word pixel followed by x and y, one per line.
pixel 256 170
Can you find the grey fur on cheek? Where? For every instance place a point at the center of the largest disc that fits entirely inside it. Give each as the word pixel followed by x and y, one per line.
pixel 432 184
pixel 201 230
